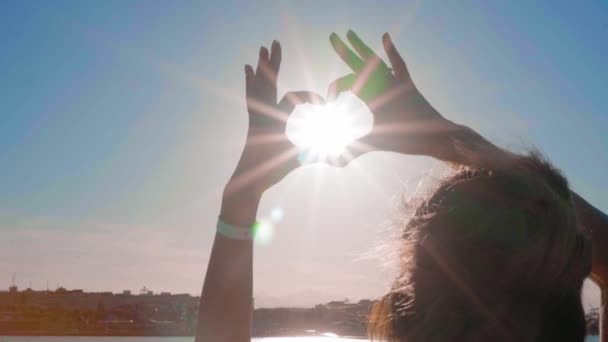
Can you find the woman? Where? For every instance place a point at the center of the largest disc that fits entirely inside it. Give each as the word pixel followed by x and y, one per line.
pixel 495 253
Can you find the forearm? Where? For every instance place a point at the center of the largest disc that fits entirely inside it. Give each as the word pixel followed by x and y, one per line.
pixel 595 223
pixel 226 301
pixel 593 220
pixel 604 316
pixel 430 134
pixel 462 145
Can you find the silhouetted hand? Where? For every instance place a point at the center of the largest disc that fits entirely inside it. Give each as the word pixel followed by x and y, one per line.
pixel 268 155
pixel 404 121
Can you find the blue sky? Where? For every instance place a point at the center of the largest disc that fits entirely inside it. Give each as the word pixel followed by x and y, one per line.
pixel 122 121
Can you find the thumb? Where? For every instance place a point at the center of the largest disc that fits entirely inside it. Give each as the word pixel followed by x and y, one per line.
pixel 356 149
pixel 340 85
pixel 294 98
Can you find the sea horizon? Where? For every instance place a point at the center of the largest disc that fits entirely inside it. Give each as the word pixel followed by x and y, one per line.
pixel 593 338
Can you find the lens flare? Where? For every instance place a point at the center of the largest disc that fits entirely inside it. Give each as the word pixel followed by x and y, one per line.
pixel 263 231
pixel 276 215
pixel 322 131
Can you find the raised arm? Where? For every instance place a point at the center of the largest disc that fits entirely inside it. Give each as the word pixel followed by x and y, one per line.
pixel 595 223
pixel 405 122
pixel 268 156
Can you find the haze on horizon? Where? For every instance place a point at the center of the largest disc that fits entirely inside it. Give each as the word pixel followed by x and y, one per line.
pixel 122 121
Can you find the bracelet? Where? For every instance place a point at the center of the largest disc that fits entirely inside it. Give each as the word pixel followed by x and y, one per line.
pixel 234 232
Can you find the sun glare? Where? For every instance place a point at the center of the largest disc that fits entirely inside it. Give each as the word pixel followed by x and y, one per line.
pixel 263 231
pixel 325 131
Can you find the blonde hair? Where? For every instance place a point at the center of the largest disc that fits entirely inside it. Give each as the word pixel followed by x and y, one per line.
pixel 492 254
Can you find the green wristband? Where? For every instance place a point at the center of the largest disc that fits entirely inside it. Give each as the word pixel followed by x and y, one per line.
pixel 234 232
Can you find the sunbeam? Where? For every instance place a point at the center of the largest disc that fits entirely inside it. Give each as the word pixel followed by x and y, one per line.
pixel 324 131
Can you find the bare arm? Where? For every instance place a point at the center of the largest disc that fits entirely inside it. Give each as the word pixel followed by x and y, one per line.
pixel 595 223
pixel 226 300
pixel 604 316
pixel 268 156
pixel 405 122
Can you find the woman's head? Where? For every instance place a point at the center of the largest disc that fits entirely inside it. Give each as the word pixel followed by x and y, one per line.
pixel 490 255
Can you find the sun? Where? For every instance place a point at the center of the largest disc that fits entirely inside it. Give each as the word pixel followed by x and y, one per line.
pixel 325 131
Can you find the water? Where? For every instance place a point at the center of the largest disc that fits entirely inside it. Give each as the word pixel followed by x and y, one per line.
pixel 182 339
pixel 162 339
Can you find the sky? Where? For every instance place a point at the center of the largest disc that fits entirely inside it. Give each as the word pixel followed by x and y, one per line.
pixel 120 123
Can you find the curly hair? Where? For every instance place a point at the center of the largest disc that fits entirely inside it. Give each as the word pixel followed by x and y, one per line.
pixel 491 255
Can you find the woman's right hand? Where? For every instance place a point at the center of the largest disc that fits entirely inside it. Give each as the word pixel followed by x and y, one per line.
pixel 404 121
pixel 268 155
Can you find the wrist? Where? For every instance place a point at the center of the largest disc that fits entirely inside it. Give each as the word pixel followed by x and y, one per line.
pixel 239 206
pixel 451 147
pixel 465 146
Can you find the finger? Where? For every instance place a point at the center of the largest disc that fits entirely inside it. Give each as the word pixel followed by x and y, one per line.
pixel 341 85
pixel 397 62
pixel 294 98
pixel 347 55
pixel 373 62
pixel 362 49
pixel 249 75
pixel 275 57
pixel 356 149
pixel 262 61
pixel 266 77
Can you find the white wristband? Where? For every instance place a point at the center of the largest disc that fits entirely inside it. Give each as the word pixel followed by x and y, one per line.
pixel 234 232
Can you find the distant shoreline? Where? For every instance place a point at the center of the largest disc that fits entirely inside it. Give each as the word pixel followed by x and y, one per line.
pixel 77 313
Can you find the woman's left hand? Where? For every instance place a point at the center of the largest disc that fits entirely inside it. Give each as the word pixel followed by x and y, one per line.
pixel 404 121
